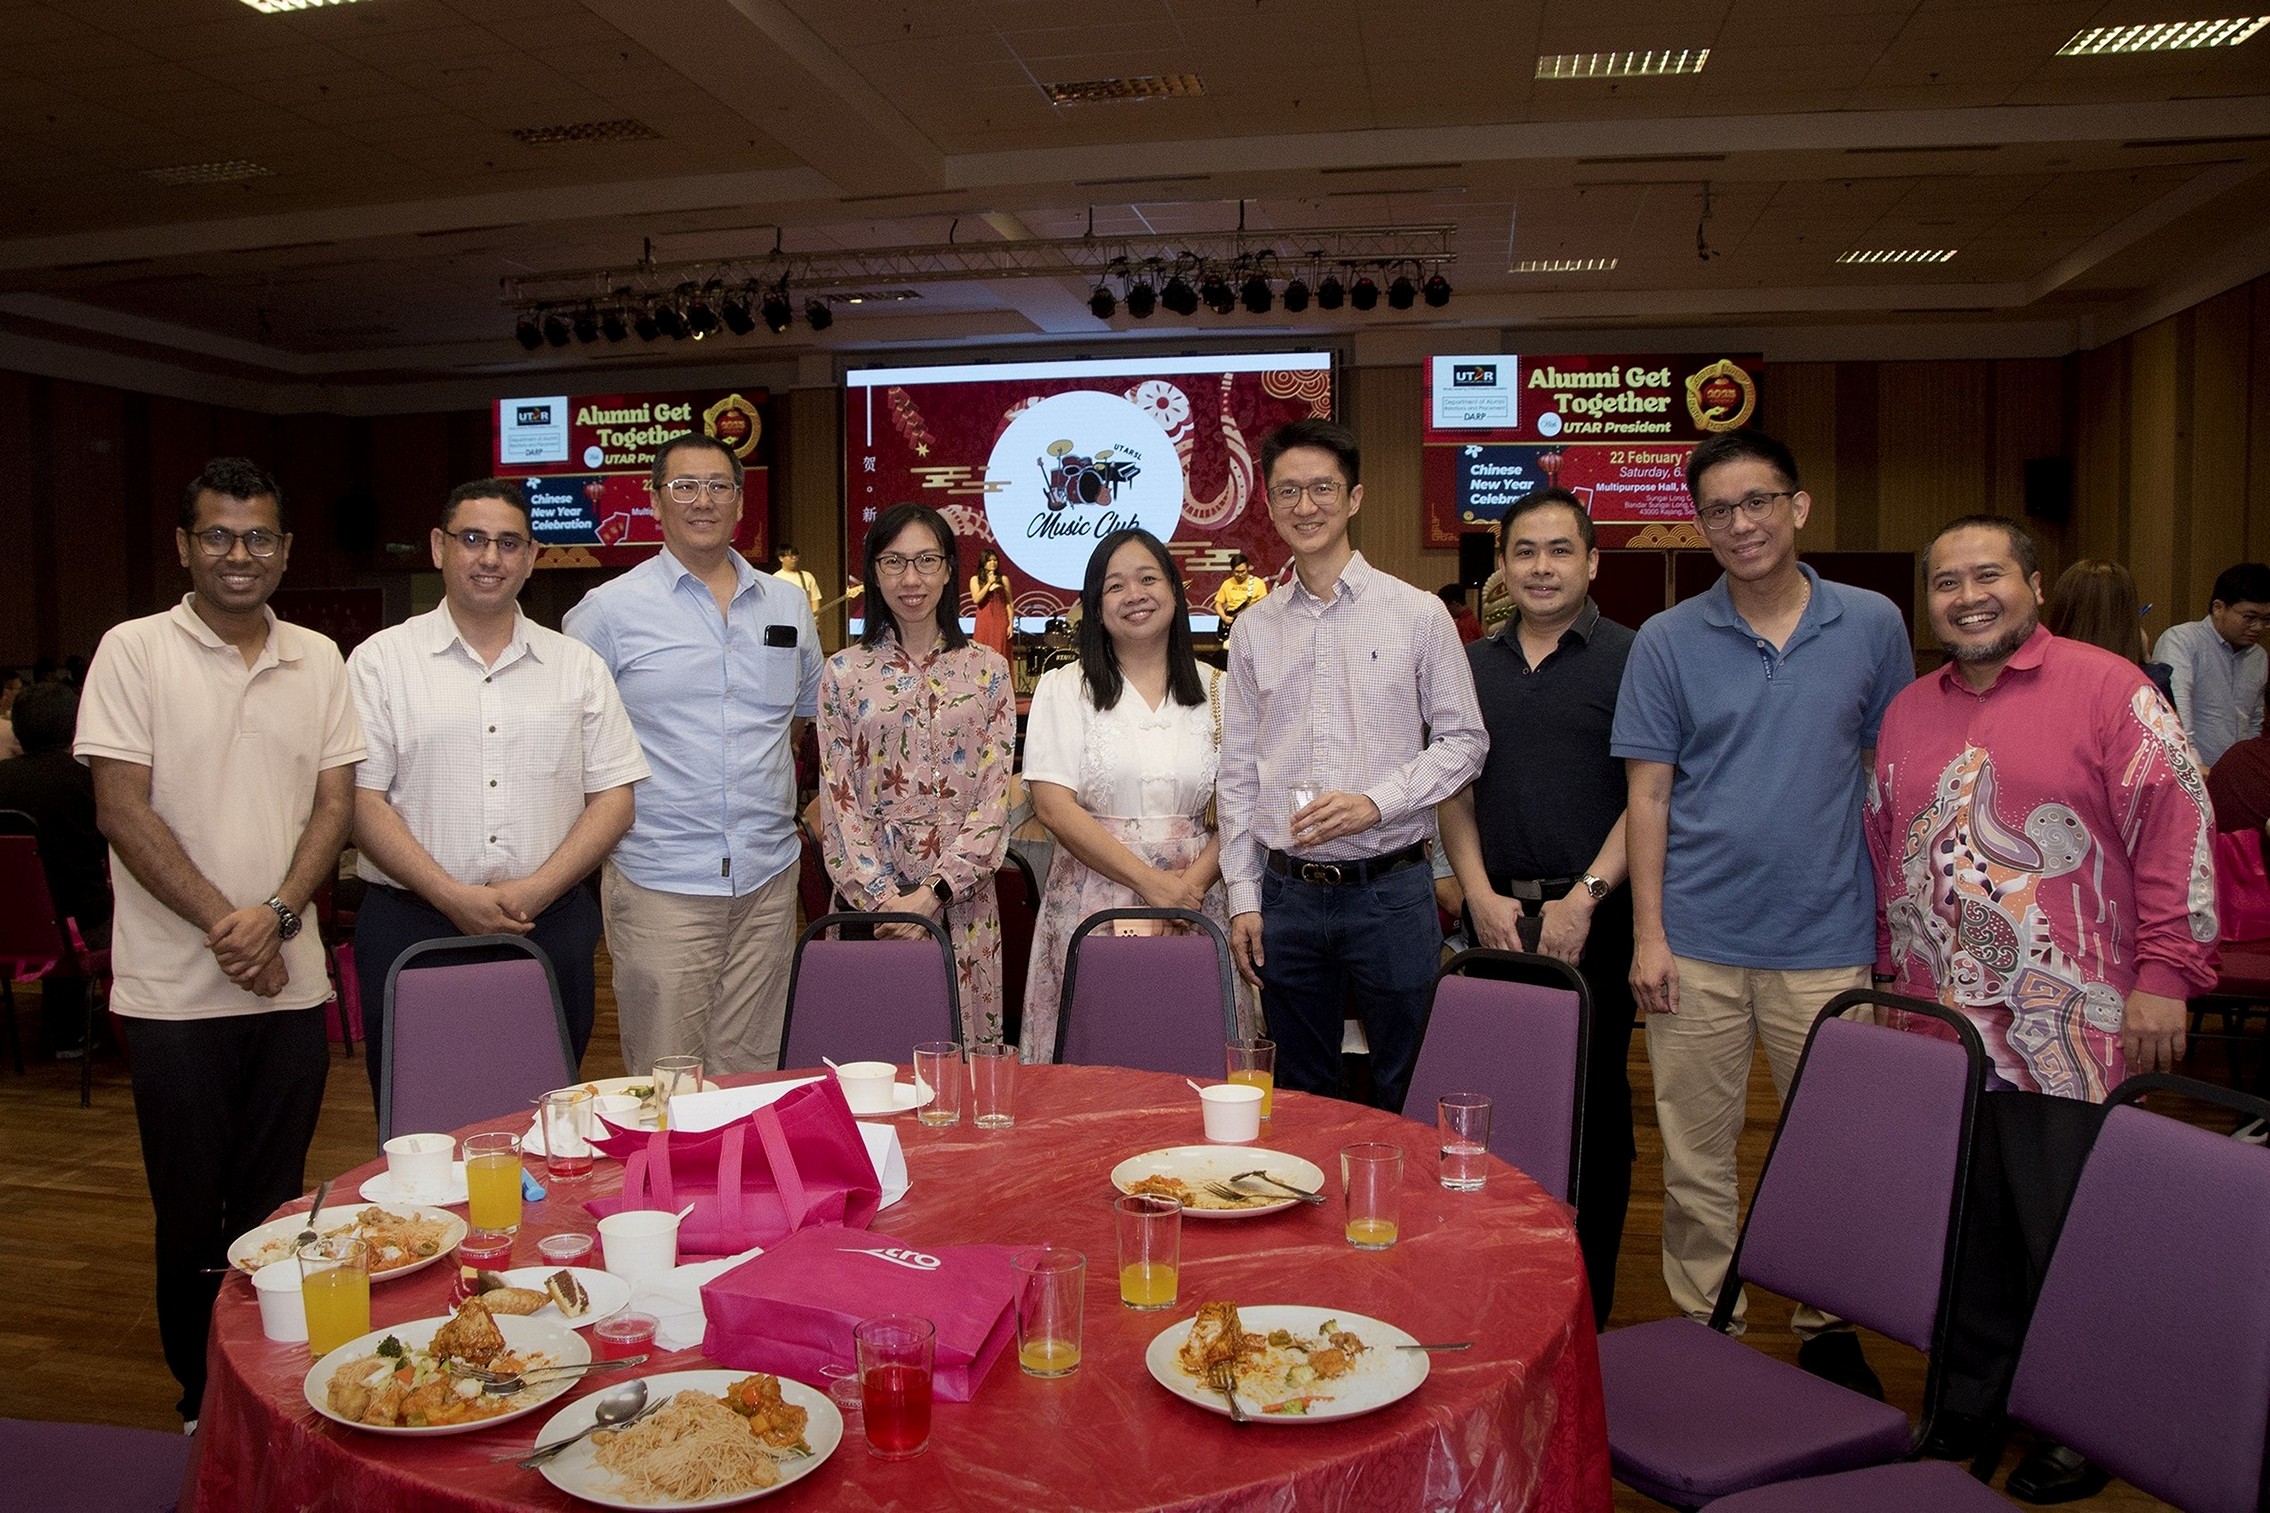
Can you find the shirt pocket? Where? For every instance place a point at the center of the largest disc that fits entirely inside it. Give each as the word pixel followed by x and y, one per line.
pixel 775 673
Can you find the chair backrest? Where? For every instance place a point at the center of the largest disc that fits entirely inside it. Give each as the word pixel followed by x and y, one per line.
pixel 31 938
pixel 1515 1027
pixel 2149 1351
pixel 470 1039
pixel 2242 886
pixel 1859 1206
pixel 1020 916
pixel 1157 1003
pixel 868 1000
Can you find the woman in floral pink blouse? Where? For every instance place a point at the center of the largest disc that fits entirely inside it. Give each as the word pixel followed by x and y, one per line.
pixel 918 727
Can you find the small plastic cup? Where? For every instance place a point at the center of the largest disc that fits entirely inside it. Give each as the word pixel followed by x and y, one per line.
pixel 639 1243
pixel 623 1335
pixel 1233 1112
pixel 842 1386
pixel 938 1072
pixel 481 1250
pixel 283 1313
pixel 419 1165
pixel 867 1085
pixel 565 1250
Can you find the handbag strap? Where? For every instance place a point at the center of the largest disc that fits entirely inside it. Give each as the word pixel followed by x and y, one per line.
pixel 729 1158
pixel 795 1201
pixel 648 1174
pixel 1214 698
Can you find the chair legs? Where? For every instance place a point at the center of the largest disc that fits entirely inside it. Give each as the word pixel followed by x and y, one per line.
pixel 95 998
pixel 15 1040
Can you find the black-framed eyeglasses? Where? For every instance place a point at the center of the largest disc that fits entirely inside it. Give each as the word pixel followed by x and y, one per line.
pixel 690 490
pixel 219 541
pixel 1718 516
pixel 508 547
pixel 929 564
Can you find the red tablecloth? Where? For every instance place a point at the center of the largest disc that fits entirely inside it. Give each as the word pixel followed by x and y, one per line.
pixel 1516 1422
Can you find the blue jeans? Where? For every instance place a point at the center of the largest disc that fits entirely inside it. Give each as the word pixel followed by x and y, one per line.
pixel 1380 940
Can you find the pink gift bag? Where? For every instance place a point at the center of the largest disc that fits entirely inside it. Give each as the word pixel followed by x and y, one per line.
pixel 790 1310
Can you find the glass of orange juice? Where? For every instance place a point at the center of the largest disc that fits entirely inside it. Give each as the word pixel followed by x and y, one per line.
pixel 335 1287
pixel 1150 1249
pixel 1254 1063
pixel 1372 1174
pixel 492 1180
pixel 1052 1284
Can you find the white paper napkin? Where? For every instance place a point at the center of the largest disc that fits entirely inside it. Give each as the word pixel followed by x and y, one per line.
pixel 674 1298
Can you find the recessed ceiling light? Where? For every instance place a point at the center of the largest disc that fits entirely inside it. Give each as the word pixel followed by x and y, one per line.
pixel 1145 87
pixel 1624 65
pixel 279 7
pixel 2162 36
pixel 229 171
pixel 1899 255
pixel 1564 265
pixel 624 130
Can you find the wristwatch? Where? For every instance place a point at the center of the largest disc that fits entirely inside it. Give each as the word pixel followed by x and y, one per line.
pixel 287 923
pixel 1596 886
pixel 943 890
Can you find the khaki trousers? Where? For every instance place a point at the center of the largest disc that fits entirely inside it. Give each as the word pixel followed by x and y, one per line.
pixel 1700 1058
pixel 700 975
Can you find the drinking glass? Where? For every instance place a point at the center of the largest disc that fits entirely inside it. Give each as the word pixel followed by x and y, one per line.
pixel 896 1355
pixel 938 1067
pixel 567 1132
pixel 1372 1175
pixel 1463 1121
pixel 335 1289
pixel 1254 1063
pixel 673 1075
pixel 993 1085
pixel 1150 1250
pixel 1052 1284
pixel 492 1181
pixel 481 1250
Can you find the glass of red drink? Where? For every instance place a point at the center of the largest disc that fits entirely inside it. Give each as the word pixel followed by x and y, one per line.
pixel 625 1334
pixel 896 1354
pixel 568 1121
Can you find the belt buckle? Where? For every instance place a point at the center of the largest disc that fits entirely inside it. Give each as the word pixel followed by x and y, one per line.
pixel 1327 873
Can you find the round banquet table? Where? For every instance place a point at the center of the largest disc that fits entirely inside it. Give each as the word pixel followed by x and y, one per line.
pixel 1515 1422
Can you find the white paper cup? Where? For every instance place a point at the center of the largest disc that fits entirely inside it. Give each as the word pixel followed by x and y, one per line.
pixel 1233 1112
pixel 866 1085
pixel 639 1244
pixel 419 1164
pixel 283 1316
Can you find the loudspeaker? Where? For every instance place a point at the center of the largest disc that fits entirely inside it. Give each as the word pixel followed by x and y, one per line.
pixel 2049 488
pixel 1477 557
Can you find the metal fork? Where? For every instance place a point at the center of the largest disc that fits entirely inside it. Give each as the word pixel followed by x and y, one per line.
pixel 1224 1191
pixel 505 1383
pixel 1301 1193
pixel 1222 1377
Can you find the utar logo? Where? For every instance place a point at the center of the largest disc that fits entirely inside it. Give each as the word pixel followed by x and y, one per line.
pixel 1067 479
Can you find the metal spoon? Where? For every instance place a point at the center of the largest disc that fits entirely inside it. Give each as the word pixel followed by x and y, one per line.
pixel 610 1409
pixel 322 1191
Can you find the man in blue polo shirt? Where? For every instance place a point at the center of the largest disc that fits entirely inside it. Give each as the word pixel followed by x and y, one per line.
pixel 1747 722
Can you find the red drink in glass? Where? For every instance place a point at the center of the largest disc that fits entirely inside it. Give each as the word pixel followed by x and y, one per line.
pixel 568 1166
pixel 481 1250
pixel 896 1403
pixel 626 1334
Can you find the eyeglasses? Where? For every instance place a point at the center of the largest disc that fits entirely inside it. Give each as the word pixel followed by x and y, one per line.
pixel 477 542
pixel 1717 517
pixel 2251 619
pixel 929 564
pixel 220 541
pixel 1325 492
pixel 690 490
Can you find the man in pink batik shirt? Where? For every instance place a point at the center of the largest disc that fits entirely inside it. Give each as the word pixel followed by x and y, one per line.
pixel 2043 849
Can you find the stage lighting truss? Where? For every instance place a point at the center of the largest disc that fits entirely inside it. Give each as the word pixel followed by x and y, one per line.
pixel 1326 267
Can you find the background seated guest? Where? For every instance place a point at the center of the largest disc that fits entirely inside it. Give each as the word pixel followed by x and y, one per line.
pixel 918 728
pixel 1120 752
pixel 58 793
pixel 2219 667
pixel 2239 786
pixel 2095 602
pixel 1453 596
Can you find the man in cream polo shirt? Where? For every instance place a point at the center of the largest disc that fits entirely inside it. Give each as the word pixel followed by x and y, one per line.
pixel 223 744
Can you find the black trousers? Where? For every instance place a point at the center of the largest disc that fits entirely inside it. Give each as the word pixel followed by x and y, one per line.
pixel 2026 1159
pixel 392 920
pixel 226 1109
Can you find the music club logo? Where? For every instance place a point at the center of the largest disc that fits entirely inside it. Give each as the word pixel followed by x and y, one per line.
pixel 1070 469
pixel 1070 480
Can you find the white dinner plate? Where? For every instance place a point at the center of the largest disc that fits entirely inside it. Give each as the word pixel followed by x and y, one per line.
pixel 1383 1374
pixel 1194 1165
pixel 244 1249
pixel 577 1471
pixel 905 1098
pixel 563 1345
pixel 382 1189
pixel 608 1292
pixel 532 1143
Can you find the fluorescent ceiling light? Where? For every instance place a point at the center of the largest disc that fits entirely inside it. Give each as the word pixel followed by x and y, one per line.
pixel 2162 36
pixel 1564 265
pixel 1624 65
pixel 279 7
pixel 229 171
pixel 1144 87
pixel 1900 255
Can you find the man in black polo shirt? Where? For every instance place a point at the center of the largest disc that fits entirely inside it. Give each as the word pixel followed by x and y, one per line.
pixel 1538 839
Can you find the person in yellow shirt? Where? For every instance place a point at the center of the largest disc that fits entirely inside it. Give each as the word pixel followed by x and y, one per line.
pixel 1239 591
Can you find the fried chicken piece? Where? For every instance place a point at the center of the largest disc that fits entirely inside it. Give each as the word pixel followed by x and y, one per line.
pixel 1162 1187
pixel 471 1336
pixel 1215 1335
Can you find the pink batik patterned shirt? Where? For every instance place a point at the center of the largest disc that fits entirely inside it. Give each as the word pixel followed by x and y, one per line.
pixel 2041 849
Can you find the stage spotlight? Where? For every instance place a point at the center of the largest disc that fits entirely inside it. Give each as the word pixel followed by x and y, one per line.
pixel 1103 304
pixel 672 320
pixel 1402 294
pixel 1329 294
pixel 556 331
pixel 1436 292
pixel 818 315
pixel 777 313
pixel 1179 297
pixel 1215 290
pixel 1142 299
pixel 1296 296
pixel 701 319
pixel 1256 295
pixel 646 325
pixel 587 325
pixel 611 326
pixel 738 318
pixel 1363 294
pixel 528 334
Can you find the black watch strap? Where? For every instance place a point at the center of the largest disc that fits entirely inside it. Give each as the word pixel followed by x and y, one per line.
pixel 943 890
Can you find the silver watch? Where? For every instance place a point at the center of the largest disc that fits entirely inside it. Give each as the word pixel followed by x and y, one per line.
pixel 1596 886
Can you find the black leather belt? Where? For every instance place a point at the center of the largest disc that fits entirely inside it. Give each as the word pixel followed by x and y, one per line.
pixel 1534 890
pixel 1363 869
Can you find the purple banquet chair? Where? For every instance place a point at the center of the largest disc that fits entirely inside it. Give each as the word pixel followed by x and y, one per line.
pixel 1157 1003
pixel 1859 1212
pixel 1513 1026
pixel 2150 1363
pixel 868 1000
pixel 470 1040
pixel 90 1466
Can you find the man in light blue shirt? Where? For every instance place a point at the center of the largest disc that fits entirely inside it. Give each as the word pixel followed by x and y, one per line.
pixel 2218 664
pixel 719 667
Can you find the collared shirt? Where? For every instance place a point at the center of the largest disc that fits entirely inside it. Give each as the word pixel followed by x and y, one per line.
pixel 2043 848
pixel 488 766
pixel 1365 692
pixel 2218 686
pixel 233 753
pixel 802 580
pixel 712 701
pixel 1549 792
pixel 1766 866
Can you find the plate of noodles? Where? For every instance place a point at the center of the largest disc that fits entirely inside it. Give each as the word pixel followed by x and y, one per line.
pixel 717 1438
